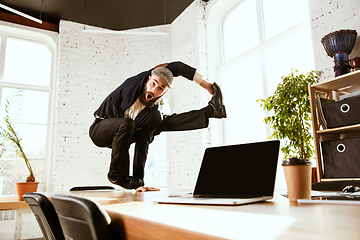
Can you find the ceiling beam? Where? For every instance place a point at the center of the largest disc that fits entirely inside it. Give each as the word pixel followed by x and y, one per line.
pixel 8 17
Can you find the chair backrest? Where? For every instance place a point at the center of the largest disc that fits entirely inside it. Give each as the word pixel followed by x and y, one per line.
pixel 82 219
pixel 45 215
pixel 85 188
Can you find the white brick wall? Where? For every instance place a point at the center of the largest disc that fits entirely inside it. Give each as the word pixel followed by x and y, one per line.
pixel 26 225
pixel 90 67
pixel 327 16
pixel 189 45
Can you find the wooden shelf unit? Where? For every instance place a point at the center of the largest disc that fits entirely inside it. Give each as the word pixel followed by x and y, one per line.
pixel 343 84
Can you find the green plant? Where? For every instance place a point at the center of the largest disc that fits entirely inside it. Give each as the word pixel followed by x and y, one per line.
pixel 292 115
pixel 9 134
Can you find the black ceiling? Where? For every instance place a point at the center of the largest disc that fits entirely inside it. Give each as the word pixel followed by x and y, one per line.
pixel 110 14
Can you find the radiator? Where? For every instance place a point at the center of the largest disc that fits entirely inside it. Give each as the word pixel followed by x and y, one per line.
pixel 7 224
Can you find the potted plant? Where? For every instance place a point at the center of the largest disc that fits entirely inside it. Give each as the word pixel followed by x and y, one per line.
pixel 9 134
pixel 292 122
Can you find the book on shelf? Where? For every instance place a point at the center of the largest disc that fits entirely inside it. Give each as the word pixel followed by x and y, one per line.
pixel 321 102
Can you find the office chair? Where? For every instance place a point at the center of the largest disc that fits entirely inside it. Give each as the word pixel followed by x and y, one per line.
pixel 82 219
pixel 45 215
pixel 84 188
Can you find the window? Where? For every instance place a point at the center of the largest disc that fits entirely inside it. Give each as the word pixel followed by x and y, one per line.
pixel 261 42
pixel 252 44
pixel 26 81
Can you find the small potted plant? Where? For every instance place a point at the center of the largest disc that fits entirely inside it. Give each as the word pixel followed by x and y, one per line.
pixel 9 134
pixel 291 121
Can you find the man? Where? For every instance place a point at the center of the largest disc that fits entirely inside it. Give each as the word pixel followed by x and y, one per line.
pixel 130 115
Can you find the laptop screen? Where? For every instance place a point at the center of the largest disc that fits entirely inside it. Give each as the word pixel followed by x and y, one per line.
pixel 244 170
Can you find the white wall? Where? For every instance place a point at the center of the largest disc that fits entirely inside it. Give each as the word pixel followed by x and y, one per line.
pixel 26 225
pixel 328 16
pixel 186 149
pixel 90 67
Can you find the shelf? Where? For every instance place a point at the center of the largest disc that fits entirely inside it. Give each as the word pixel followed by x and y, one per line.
pixel 345 129
pixel 339 82
pixel 350 82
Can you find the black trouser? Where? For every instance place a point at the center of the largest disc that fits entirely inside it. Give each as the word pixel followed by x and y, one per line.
pixel 192 120
pixel 115 133
pixel 118 134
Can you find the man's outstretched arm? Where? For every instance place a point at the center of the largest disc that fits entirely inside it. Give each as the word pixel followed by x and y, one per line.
pixel 182 69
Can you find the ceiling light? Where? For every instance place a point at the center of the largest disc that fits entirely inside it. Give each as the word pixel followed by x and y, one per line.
pixel 20 13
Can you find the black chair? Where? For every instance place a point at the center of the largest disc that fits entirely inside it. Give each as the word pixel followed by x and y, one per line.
pixel 85 188
pixel 82 219
pixel 45 215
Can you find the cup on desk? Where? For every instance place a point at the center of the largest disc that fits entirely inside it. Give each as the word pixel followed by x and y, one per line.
pixel 298 178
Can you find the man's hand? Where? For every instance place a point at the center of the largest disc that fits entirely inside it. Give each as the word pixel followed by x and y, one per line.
pixel 144 189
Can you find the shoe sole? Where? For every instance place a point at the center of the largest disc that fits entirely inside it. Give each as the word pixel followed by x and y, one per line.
pixel 127 185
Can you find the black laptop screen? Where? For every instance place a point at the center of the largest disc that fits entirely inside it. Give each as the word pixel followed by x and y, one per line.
pixel 244 170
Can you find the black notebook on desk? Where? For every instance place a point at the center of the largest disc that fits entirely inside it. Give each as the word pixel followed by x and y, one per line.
pixel 234 175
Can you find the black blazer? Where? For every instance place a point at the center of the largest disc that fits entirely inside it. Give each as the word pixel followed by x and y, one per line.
pixel 118 101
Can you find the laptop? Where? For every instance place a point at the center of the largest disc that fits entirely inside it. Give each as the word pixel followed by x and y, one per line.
pixel 234 175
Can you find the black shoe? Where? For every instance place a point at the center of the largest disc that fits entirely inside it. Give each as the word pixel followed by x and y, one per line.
pixel 217 102
pixel 127 182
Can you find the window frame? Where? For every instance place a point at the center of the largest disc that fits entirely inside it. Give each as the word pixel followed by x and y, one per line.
pixel 50 40
pixel 215 15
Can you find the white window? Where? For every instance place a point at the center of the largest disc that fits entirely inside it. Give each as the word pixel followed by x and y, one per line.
pixel 26 70
pixel 252 44
pixel 262 41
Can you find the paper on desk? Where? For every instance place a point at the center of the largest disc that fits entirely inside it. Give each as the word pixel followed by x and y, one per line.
pixel 323 194
pixel 316 194
pixel 332 198
pixel 326 194
pixel 329 194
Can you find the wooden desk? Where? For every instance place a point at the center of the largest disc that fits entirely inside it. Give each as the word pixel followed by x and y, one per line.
pixel 140 218
pixel 11 202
